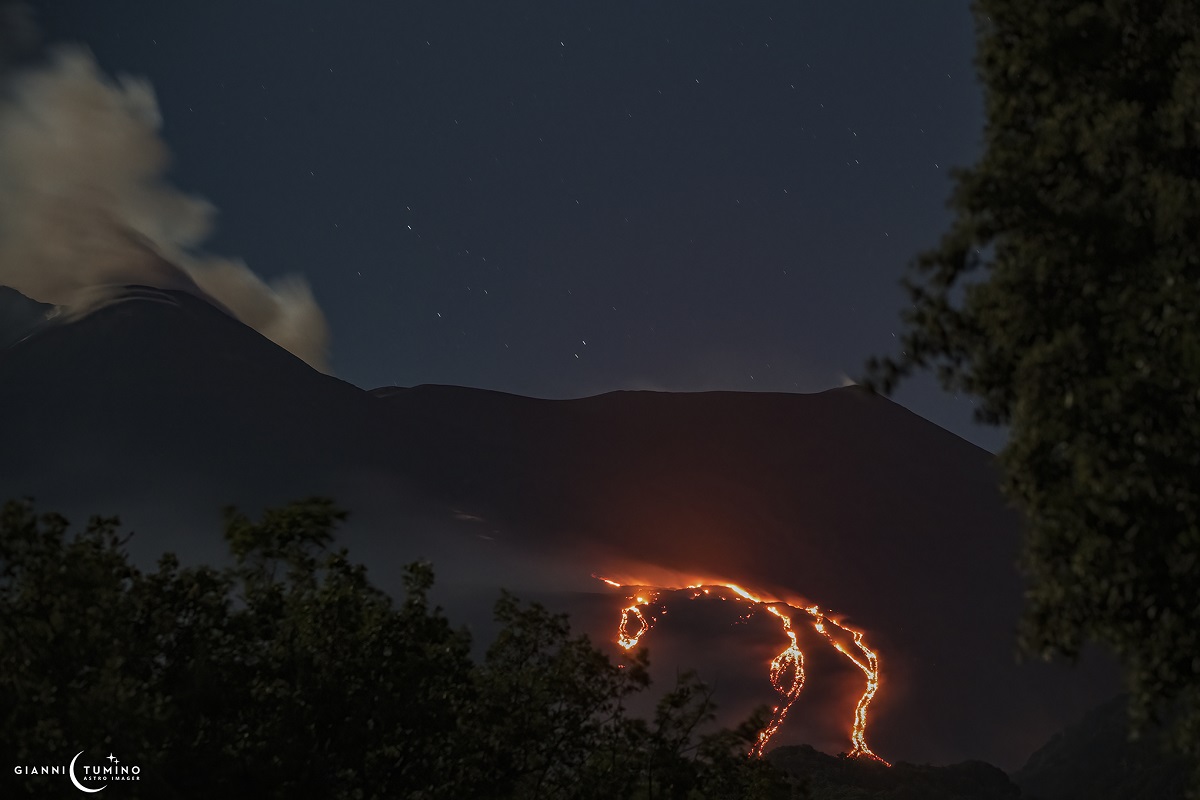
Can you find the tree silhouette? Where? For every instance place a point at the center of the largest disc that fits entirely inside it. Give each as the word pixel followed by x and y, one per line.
pixel 288 674
pixel 1066 298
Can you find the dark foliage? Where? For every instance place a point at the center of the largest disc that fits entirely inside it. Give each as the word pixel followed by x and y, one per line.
pixel 289 675
pixel 1066 297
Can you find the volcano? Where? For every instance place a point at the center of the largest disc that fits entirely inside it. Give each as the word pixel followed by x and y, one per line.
pixel 160 407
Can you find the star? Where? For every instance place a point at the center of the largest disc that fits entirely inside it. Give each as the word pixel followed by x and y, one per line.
pixel 113 758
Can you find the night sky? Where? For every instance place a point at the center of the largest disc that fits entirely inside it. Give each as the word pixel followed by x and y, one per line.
pixel 561 199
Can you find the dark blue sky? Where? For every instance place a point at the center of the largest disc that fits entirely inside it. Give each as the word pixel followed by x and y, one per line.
pixel 559 199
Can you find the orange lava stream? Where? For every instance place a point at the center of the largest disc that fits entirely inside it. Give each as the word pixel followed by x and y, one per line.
pixel 858 734
pixel 789 663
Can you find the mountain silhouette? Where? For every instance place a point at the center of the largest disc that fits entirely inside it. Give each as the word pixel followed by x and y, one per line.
pixel 162 408
pixel 1095 759
pixel 831 778
pixel 20 317
pixel 1091 759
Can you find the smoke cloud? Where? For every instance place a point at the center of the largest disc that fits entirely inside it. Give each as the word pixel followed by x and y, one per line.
pixel 84 205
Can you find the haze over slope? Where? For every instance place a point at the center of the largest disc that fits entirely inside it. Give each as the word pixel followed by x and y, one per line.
pixel 163 408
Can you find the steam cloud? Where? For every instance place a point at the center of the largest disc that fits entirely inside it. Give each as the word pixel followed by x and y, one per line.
pixel 84 205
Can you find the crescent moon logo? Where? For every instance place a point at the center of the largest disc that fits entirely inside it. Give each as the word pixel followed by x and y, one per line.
pixel 75 780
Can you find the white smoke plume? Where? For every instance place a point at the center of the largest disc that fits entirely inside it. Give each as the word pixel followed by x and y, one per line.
pixel 84 205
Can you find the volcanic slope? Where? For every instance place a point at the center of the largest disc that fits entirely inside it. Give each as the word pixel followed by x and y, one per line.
pixel 161 407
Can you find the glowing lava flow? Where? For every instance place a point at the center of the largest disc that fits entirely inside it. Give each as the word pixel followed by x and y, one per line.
pixel 789 663
pixel 858 735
